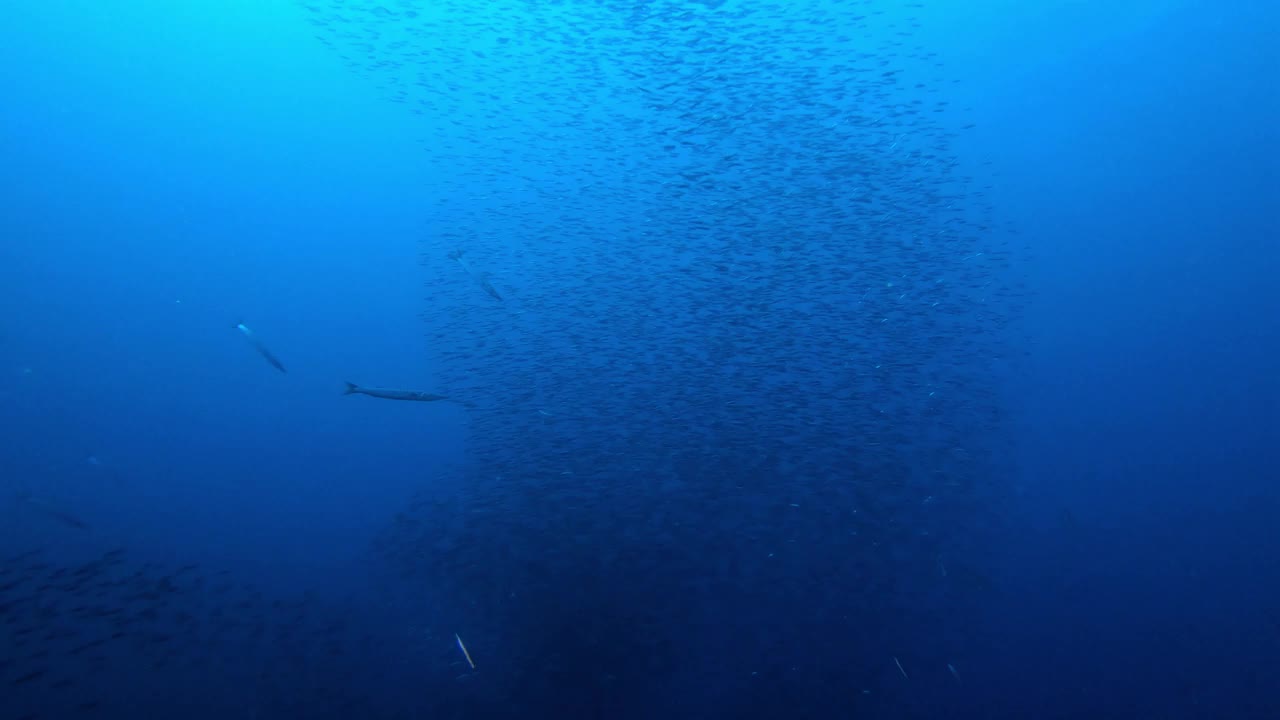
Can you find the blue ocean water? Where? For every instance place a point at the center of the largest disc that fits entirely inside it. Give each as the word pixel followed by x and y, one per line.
pixel 799 359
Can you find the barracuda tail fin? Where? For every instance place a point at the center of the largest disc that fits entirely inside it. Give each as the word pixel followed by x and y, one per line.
pixel 351 387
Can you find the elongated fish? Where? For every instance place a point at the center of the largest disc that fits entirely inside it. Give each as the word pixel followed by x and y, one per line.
pixel 464 651
pixel 482 279
pixel 61 516
pixel 353 389
pixel 262 349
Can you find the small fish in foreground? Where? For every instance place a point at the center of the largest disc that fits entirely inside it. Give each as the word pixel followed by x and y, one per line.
pixel 262 349
pixel 61 516
pixel 482 279
pixel 353 389
pixel 464 651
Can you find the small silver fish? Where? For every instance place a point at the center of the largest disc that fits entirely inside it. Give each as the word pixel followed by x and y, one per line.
pixel 464 651
pixel 262 349
pixel 482 279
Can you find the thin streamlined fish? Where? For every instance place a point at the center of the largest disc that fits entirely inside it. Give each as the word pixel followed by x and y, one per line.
pixel 61 516
pixel 464 651
pixel 262 349
pixel 353 389
pixel 482 279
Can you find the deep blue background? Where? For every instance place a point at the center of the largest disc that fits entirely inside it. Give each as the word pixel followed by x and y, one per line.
pixel 170 171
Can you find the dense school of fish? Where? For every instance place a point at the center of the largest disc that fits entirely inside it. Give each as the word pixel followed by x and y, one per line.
pixel 725 309
pixel 728 297
pixel 111 634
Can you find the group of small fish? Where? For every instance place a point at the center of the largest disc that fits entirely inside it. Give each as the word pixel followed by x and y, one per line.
pixel 760 276
pixel 103 634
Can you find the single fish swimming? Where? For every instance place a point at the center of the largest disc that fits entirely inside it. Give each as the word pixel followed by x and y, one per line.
pixel 464 651
pixel 481 279
pixel 61 516
pixel 262 349
pixel 353 389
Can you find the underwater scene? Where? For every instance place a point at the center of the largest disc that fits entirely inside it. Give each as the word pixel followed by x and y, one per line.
pixel 630 359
